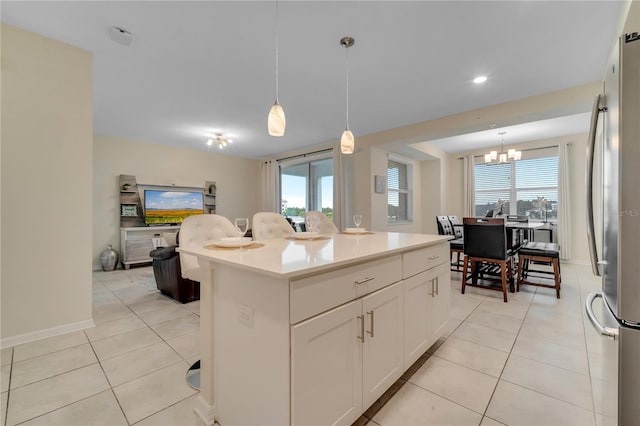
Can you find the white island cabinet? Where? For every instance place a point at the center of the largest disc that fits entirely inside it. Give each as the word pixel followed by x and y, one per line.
pixel 313 332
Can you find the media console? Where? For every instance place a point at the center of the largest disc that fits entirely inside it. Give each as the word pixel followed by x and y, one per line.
pixel 136 242
pixel 136 238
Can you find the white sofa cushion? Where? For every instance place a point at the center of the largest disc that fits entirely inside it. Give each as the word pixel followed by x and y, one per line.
pixel 198 231
pixel 268 225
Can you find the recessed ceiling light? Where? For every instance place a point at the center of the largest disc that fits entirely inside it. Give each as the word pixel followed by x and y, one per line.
pixel 480 79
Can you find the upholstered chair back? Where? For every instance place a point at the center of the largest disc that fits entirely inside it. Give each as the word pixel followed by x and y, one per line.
pixel 444 226
pixel 457 230
pixel 323 225
pixel 269 225
pixel 485 238
pixel 198 231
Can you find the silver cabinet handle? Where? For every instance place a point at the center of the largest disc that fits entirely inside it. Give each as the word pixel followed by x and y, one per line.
pixel 371 323
pixel 433 288
pixel 361 319
pixel 604 331
pixel 591 144
pixel 437 286
pixel 364 280
pixel 433 257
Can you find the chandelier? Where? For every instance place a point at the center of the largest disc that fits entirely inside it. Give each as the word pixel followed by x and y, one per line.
pixel 219 141
pixel 510 155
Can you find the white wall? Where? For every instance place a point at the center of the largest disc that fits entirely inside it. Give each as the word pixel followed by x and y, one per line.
pixel 47 116
pixel 237 180
pixel 379 210
pixel 432 188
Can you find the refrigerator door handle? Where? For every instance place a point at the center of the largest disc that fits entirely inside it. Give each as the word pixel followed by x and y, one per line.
pixel 591 144
pixel 602 330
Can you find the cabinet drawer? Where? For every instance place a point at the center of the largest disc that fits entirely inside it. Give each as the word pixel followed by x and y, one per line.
pixel 318 293
pixel 417 261
pixel 138 249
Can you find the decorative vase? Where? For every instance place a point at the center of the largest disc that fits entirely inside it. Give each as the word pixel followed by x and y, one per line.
pixel 109 259
pixel 212 189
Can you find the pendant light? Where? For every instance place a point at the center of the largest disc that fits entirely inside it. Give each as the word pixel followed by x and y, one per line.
pixel 347 142
pixel 276 121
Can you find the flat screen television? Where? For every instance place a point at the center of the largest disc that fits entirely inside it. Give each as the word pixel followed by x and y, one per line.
pixel 171 207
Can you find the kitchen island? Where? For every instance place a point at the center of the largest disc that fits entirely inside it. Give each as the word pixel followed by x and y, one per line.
pixel 314 331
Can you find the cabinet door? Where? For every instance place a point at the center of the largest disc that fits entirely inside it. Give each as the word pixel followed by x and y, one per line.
pixel 441 303
pixel 417 329
pixel 326 367
pixel 382 360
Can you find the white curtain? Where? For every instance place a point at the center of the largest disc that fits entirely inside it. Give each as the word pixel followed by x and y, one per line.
pixel 338 188
pixel 270 177
pixel 564 203
pixel 469 187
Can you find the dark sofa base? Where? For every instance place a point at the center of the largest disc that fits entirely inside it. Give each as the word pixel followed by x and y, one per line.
pixel 170 282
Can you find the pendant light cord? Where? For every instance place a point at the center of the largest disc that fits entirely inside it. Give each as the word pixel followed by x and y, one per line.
pixel 277 48
pixel 347 85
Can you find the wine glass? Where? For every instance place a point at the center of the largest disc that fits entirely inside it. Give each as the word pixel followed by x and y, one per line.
pixel 309 223
pixel 357 220
pixel 242 225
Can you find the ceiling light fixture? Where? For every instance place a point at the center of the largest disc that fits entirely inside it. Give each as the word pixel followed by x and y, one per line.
pixel 276 122
pixel 347 142
pixel 219 141
pixel 494 157
pixel 480 79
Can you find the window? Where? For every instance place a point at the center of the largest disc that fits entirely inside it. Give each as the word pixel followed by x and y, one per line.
pixel 306 184
pixel 527 187
pixel 398 191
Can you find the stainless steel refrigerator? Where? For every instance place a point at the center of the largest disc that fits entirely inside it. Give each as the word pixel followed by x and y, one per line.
pixel 613 182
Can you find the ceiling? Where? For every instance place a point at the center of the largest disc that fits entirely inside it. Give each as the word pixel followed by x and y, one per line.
pixel 204 66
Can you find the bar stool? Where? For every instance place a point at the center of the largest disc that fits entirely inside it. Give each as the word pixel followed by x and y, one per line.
pixel 548 253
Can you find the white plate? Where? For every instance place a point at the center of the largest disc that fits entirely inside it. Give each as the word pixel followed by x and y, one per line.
pixel 355 230
pixel 233 242
pixel 305 235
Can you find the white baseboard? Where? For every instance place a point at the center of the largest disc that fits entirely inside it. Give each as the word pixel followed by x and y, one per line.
pixel 577 262
pixel 47 332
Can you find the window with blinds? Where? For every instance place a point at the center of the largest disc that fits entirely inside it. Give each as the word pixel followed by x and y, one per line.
pixel 527 187
pixel 398 192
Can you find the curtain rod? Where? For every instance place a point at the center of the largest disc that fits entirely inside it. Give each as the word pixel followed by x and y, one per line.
pixel 527 149
pixel 304 155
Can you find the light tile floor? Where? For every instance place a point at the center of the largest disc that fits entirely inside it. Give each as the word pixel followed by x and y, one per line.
pixel 532 361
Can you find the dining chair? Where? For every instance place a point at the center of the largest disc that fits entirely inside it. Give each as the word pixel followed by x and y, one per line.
pixel 485 245
pixel 547 253
pixel 457 226
pixel 455 245
pixel 269 225
pixel 323 225
pixel 518 236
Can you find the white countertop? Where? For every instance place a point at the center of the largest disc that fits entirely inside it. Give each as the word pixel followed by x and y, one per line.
pixel 289 258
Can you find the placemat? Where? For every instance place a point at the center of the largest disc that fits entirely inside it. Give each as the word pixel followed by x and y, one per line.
pixel 359 233
pixel 253 245
pixel 319 237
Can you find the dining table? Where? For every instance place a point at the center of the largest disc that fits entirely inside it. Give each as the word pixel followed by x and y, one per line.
pixel 522 231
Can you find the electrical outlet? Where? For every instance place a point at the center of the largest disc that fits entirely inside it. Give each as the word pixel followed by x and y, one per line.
pixel 245 315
